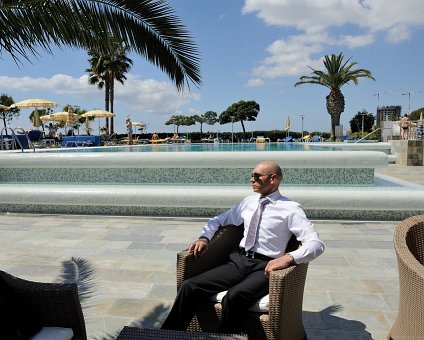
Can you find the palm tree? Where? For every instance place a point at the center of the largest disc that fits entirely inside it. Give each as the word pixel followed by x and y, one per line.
pixel 339 73
pixel 148 27
pixel 105 68
pixel 96 74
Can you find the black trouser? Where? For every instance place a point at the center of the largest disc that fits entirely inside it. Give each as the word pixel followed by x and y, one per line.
pixel 245 281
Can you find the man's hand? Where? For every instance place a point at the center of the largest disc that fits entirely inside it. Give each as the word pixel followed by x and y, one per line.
pixel 198 247
pixel 280 263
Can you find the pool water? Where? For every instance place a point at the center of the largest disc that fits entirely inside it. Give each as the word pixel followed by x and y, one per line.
pixel 194 147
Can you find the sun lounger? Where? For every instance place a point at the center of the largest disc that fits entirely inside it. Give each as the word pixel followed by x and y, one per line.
pixel 285 140
pixel 158 141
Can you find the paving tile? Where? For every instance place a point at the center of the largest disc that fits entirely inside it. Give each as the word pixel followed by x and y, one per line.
pixel 324 284
pixel 356 301
pixel 351 291
pixel 380 286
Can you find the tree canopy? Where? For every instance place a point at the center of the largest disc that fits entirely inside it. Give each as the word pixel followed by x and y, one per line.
pixel 7 115
pixel 356 121
pixel 240 112
pixel 209 117
pixel 180 120
pixel 338 72
pixel 415 115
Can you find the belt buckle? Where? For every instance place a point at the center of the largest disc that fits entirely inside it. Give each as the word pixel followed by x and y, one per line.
pixel 250 254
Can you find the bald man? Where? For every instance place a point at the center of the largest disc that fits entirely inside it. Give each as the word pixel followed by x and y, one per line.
pixel 246 275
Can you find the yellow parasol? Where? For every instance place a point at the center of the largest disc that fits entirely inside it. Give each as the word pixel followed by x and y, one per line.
pixel 287 125
pixel 36 121
pixel 98 114
pixel 61 117
pixel 138 124
pixel 35 103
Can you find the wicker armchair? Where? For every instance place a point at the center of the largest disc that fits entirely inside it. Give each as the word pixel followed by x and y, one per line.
pixel 286 286
pixel 44 304
pixel 409 247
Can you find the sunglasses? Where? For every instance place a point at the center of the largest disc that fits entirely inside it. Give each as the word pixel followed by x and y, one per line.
pixel 256 176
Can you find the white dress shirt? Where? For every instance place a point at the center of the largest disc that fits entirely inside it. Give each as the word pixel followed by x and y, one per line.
pixel 280 219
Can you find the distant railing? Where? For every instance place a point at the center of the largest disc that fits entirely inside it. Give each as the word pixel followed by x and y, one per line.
pixel 367 135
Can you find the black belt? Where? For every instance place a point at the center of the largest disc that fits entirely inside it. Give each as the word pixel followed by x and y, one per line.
pixel 252 255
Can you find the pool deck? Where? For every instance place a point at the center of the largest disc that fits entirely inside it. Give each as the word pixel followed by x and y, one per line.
pixel 351 290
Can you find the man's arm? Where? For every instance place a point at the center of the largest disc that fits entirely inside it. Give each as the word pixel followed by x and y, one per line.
pixel 231 216
pixel 311 245
pixel 198 246
pixel 279 263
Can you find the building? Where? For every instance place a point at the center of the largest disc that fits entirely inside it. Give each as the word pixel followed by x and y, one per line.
pixel 387 113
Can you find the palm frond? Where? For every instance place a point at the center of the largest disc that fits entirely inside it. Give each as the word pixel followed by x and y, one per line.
pixel 148 27
pixel 80 271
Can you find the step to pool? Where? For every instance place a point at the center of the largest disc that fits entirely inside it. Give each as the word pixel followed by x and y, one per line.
pixel 359 203
pixel 329 184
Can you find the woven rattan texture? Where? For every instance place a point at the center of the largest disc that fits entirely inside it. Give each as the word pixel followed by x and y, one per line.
pixel 51 304
pixel 284 320
pixel 133 333
pixel 409 247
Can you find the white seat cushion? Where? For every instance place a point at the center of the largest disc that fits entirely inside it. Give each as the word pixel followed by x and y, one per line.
pixel 54 333
pixel 261 306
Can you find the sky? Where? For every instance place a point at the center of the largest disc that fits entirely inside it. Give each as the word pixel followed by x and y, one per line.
pixel 251 50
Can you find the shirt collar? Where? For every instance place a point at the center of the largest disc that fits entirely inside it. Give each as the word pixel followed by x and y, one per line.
pixel 272 197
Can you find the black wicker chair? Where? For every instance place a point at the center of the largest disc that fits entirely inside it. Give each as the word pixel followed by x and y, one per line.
pixel 286 286
pixel 31 305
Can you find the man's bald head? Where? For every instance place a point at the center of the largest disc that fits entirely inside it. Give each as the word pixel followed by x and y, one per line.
pixel 266 177
pixel 271 168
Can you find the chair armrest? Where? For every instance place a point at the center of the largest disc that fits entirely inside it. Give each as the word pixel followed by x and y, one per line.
pixel 224 241
pixel 286 287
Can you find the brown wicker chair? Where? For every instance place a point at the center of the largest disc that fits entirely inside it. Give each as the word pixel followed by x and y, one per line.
pixel 409 247
pixel 47 304
pixel 286 286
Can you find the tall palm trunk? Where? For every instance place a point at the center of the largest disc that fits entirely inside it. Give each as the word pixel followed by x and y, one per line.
pixel 335 107
pixel 107 100
pixel 112 95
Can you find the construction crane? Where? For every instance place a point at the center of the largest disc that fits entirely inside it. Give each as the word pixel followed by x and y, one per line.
pixel 378 98
pixel 378 94
pixel 409 97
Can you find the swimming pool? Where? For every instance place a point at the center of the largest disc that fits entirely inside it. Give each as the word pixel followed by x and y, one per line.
pixel 224 147
pixel 329 184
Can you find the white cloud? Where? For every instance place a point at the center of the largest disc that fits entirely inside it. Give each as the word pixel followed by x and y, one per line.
pixel 398 34
pixel 150 96
pixel 353 41
pixel 291 56
pixel 305 15
pixel 313 16
pixel 346 23
pixel 254 82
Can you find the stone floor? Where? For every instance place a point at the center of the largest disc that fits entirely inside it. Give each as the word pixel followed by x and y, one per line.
pixel 351 290
pixel 413 174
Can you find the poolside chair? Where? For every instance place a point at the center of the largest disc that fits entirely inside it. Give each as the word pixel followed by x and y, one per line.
pixel 35 137
pixel 285 140
pixel 409 246
pixel 109 139
pixel 29 308
pixel 276 316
